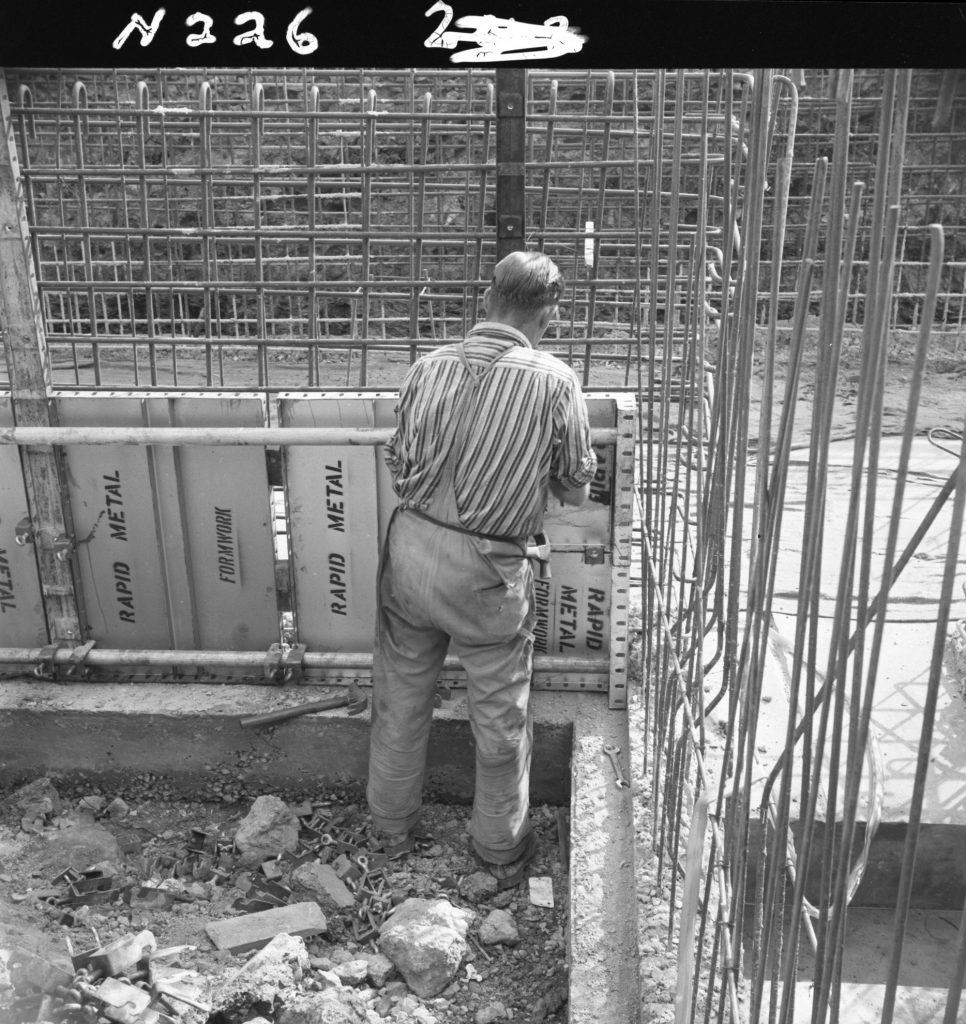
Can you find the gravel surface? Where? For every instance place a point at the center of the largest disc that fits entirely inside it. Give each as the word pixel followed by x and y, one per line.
pixel 525 981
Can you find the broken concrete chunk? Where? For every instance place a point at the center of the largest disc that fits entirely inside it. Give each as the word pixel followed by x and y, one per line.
pixel 117 808
pixel 352 972
pixel 380 968
pixel 499 928
pixel 36 799
pixel 318 1008
pixel 426 940
pixel 276 968
pixel 322 880
pixel 479 886
pixel 238 934
pixel 78 846
pixel 269 828
pixel 27 970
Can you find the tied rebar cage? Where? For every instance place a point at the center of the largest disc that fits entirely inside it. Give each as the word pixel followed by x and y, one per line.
pixel 263 232
pixel 764 857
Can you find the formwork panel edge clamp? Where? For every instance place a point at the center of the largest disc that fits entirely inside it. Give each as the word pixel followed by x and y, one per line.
pixel 292 664
pixel 78 657
pixel 273 663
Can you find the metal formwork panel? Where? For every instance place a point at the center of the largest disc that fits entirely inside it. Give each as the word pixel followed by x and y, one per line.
pixel 228 519
pixel 118 556
pixel 22 619
pixel 333 510
pixel 174 544
pixel 340 501
pixel 573 610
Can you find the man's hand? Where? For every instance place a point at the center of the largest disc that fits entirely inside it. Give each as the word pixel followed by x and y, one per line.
pixel 569 495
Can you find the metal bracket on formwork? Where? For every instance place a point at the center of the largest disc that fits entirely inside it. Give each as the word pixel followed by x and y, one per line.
pixel 273 664
pixel 292 664
pixel 593 555
pixel 62 547
pixel 45 667
pixel 24 533
pixel 77 658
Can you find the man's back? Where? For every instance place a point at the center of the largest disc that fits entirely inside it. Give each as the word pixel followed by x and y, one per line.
pixel 528 424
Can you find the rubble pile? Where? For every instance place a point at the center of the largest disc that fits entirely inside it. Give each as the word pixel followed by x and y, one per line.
pixel 292 914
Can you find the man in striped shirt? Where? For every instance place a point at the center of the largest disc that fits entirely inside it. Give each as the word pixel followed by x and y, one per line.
pixel 486 428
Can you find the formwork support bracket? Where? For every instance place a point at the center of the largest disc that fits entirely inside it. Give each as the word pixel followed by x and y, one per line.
pixel 26 354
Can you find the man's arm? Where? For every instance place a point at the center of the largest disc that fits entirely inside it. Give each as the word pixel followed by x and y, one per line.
pixel 574 462
pixel 569 495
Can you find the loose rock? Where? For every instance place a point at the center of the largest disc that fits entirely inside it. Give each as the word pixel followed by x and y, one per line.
pixel 79 846
pixel 491 1013
pixel 499 927
pixel 37 799
pixel 481 885
pixel 269 828
pixel 426 940
pixel 380 968
pixel 318 1008
pixel 323 882
pixel 352 972
pixel 272 970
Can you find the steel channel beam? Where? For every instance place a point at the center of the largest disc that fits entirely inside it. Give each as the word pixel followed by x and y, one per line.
pixel 511 125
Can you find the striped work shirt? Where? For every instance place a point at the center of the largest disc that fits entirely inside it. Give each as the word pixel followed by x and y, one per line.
pixel 530 425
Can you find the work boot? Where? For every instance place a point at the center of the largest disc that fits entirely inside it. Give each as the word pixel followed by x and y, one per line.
pixel 509 875
pixel 393 844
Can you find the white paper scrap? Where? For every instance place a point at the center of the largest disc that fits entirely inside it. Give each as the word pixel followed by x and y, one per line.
pixel 541 891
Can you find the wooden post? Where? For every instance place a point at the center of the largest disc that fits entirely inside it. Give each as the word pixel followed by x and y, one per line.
pixel 511 126
pixel 25 349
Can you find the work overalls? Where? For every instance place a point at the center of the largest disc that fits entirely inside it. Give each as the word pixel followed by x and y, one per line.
pixel 439 585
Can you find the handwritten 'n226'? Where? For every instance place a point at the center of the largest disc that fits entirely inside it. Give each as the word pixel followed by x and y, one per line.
pixel 299 41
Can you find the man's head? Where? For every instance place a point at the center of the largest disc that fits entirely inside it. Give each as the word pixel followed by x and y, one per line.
pixel 524 293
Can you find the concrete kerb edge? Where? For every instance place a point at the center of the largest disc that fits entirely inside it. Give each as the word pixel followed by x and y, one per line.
pixel 110 730
pixel 603 921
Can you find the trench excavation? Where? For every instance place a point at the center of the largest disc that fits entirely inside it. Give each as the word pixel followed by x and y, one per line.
pixel 218 282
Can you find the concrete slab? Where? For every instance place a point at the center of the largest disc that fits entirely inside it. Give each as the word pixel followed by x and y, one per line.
pixel 113 730
pixel 929 952
pixel 902 676
pixel 911 616
pixel 604 954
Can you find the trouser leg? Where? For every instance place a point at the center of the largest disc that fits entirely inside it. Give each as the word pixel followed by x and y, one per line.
pixel 407 660
pixel 498 691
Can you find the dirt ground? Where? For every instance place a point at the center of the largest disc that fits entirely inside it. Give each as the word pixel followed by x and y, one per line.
pixel 941 404
pixel 519 982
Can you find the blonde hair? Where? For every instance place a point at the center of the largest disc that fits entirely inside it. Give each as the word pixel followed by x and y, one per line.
pixel 526 281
